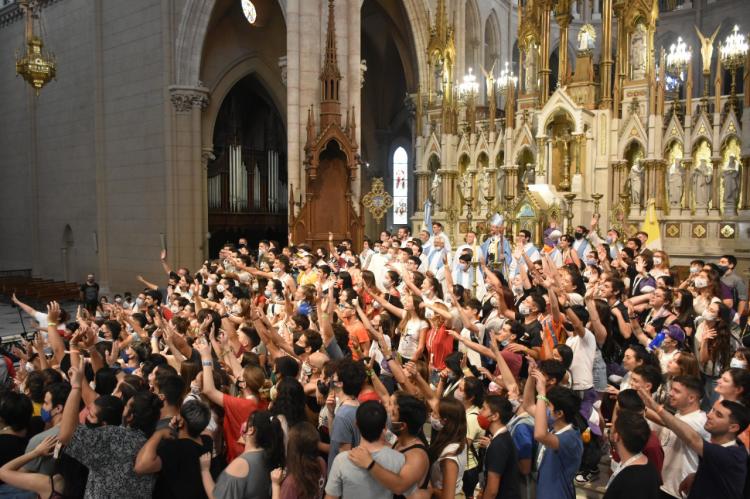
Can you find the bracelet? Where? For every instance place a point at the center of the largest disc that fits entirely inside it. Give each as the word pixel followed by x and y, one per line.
pixel 389 358
pixel 542 397
pixel 75 387
pixel 370 466
pixel 50 323
pixel 207 363
pixel 75 351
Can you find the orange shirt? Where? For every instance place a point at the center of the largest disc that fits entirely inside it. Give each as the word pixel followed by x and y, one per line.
pixel 358 334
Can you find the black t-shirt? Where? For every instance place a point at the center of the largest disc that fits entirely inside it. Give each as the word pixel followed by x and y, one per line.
pixel 180 475
pixel 722 472
pixel 501 458
pixel 638 480
pixel 90 292
pixel 11 446
pixel 531 338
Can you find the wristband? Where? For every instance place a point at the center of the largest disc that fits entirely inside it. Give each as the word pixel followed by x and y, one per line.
pixel 370 466
pixel 75 387
pixel 207 363
pixel 542 397
pixel 75 351
pixel 50 323
pixel 389 358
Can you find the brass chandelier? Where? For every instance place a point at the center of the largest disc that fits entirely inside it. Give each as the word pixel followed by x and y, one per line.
pixel 36 66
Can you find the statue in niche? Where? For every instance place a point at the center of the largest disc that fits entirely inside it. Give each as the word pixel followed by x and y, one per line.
pixel 638 48
pixel 529 70
pixel 465 185
pixel 586 38
pixel 675 177
pixel 731 176
pixel 635 177
pixel 529 174
pixel 483 187
pixel 435 187
pixel 702 177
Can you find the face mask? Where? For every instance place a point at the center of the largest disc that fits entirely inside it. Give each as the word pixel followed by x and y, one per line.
pixel 610 239
pixel 517 290
pixel 463 267
pixel 708 315
pixel 306 368
pixel 376 304
pixel 236 309
pixel 734 363
pixel 267 294
pixel 277 270
pixel 700 282
pixel 436 424
pixel 210 282
pixel 227 302
pixel 587 275
pixel 47 415
pixel 677 304
pixel 550 419
pixel 138 302
pixel 255 287
pixel 298 350
pixel 695 270
pixel 174 309
pixel 504 343
pixel 578 235
pixel 220 288
pixel 493 301
pixel 29 367
pixel 657 260
pixel 591 261
pixel 524 309
pixel 723 268
pixel 397 427
pixel 483 421
pixel 459 395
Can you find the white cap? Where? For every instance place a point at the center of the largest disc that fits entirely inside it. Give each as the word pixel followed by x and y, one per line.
pixel 497 219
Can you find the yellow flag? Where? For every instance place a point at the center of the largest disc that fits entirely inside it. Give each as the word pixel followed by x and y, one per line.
pixel 650 226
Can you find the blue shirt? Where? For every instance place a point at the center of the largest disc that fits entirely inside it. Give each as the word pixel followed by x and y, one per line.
pixel 558 467
pixel 344 431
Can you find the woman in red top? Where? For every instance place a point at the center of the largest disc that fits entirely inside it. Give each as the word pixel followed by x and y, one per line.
pixel 439 343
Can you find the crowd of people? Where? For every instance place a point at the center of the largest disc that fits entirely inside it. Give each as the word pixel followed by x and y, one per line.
pixel 408 367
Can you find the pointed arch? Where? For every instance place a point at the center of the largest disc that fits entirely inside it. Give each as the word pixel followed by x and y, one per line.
pixel 472 34
pixel 492 42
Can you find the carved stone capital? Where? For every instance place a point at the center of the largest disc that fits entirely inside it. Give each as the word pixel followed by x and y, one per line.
pixel 184 99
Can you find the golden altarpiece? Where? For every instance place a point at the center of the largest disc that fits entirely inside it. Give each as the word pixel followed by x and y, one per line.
pixel 613 135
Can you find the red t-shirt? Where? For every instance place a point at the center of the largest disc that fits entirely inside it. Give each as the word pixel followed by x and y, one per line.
pixel 236 412
pixel 439 346
pixel 514 361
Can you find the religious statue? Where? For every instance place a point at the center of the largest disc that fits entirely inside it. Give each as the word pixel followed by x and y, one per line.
pixel 731 176
pixel 529 175
pixel 676 181
pixel 702 177
pixel 586 38
pixel 638 55
pixel 707 48
pixel 435 187
pixel 465 185
pixel 483 187
pixel 529 70
pixel 500 179
pixel 635 177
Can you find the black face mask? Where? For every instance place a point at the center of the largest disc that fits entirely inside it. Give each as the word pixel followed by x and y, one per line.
pixel 578 235
pixel 298 350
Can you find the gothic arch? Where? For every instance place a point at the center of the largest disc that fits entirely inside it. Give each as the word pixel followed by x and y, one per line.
pixel 191 36
pixel 472 36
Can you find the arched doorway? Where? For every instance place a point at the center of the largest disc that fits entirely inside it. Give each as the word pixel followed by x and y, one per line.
pixel 387 120
pixel 247 180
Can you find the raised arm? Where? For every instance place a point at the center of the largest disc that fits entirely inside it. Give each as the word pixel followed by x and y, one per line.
pixel 26 308
pixel 164 264
pixel 209 389
pixel 55 342
pixel 600 332
pixel 683 431
pixel 149 285
pixel 69 421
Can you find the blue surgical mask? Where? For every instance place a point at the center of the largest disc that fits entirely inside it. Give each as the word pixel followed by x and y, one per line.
pixel 504 343
pixel 550 419
pixel 46 415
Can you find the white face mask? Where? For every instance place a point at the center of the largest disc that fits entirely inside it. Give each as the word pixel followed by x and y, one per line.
pixel 517 290
pixel 737 363
pixel 708 315
pixel 524 309
pixel 220 288
pixel 700 282
pixel 493 301
pixel 436 424
pixel 695 270
pixel 138 302
pixel 657 260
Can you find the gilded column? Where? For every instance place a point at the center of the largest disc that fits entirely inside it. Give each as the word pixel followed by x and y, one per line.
pixel 745 182
pixel 687 185
pixel 544 70
pixel 715 183
pixel 541 155
pixel 423 179
pixel 563 17
pixel 660 169
pixel 606 55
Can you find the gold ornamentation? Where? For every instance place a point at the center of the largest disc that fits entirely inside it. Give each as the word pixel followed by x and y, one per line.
pixel 727 231
pixel 699 231
pixel 36 65
pixel 673 230
pixel 377 201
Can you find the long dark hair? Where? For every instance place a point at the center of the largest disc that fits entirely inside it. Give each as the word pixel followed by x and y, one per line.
pixel 454 430
pixel 289 401
pixel 269 436
pixel 685 312
pixel 302 459
pixel 720 349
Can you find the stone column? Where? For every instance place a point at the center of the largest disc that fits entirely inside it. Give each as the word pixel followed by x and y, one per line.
pixel 563 20
pixel 606 55
pixel 688 196
pixel 544 70
pixel 423 188
pixel 660 172
pixel 185 180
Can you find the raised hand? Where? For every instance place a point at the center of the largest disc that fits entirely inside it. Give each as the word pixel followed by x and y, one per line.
pixel 53 311
pixel 163 255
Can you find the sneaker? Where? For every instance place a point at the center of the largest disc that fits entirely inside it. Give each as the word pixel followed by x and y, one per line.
pixel 586 476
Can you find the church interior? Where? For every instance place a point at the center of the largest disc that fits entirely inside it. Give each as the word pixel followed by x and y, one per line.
pixel 135 127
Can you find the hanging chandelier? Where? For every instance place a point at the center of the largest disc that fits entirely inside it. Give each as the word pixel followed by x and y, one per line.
pixel 507 78
pixel 678 58
pixel 469 86
pixel 734 49
pixel 36 65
